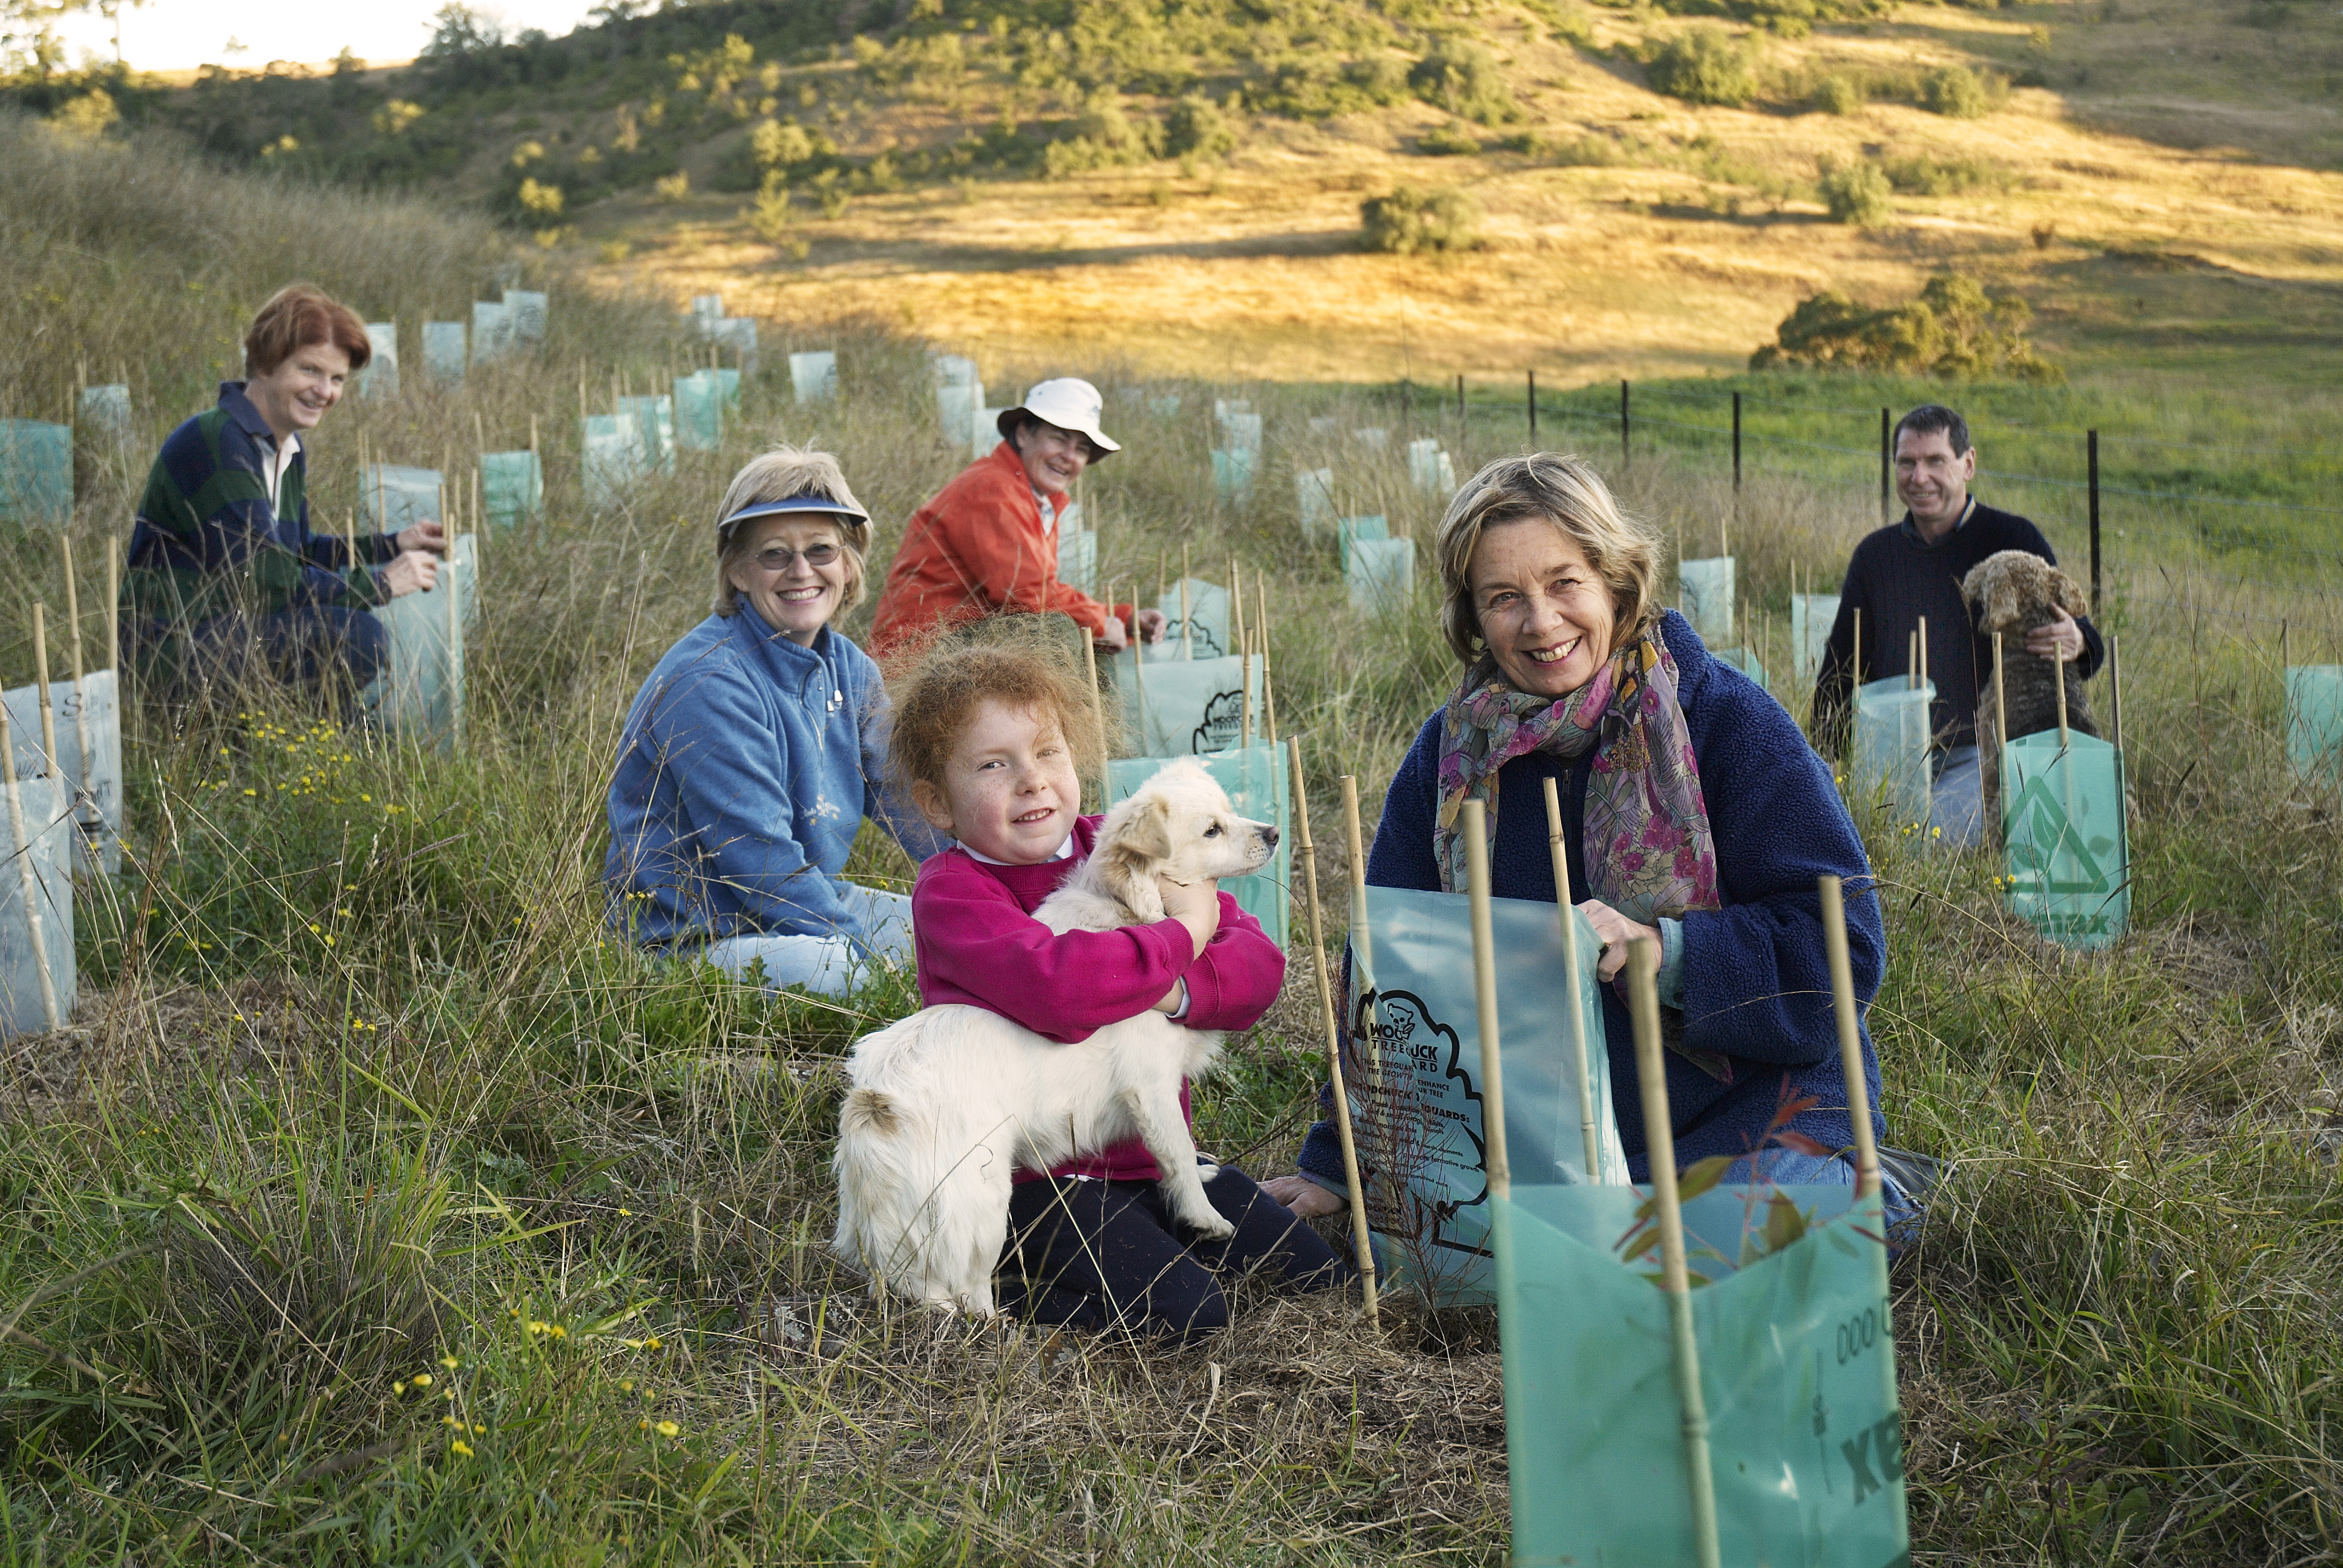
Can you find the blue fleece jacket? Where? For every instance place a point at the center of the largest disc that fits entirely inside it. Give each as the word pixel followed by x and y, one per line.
pixel 746 765
pixel 1756 983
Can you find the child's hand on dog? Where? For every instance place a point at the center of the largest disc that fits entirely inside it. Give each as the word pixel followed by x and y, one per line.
pixel 1195 905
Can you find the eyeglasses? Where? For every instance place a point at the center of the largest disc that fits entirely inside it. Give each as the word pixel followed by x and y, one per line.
pixel 780 557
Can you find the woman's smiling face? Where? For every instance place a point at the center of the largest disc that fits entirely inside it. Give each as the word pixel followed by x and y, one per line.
pixel 790 590
pixel 1545 612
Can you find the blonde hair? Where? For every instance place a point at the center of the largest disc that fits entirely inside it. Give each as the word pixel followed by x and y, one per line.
pixel 1567 493
pixel 1017 661
pixel 777 476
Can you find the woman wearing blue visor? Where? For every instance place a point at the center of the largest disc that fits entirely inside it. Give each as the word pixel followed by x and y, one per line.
pixel 757 747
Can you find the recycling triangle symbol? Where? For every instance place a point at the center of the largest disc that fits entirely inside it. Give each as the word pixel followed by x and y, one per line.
pixel 2050 834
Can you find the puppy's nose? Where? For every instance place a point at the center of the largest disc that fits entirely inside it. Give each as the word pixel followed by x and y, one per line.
pixel 1269 836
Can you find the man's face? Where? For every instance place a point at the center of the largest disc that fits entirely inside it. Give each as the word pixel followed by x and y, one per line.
pixel 1933 481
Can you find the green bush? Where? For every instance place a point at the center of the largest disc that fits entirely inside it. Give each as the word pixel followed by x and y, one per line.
pixel 1857 192
pixel 1954 329
pixel 1921 175
pixel 1447 141
pixel 1705 65
pixel 1961 94
pixel 1465 79
pixel 1837 92
pixel 1195 126
pixel 1104 138
pixel 1412 220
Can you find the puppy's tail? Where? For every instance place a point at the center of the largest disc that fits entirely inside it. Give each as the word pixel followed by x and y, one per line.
pixel 868 1113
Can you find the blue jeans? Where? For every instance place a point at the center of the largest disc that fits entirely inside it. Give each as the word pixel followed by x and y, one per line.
pixel 827 966
pixel 1789 1168
pixel 309 645
pixel 1956 803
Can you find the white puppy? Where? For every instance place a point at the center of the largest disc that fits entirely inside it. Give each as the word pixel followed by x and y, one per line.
pixel 946 1103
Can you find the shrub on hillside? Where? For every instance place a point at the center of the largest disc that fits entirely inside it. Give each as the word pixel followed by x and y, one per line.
pixel 1921 175
pixel 1954 329
pixel 1314 86
pixel 1705 65
pixel 1447 141
pixel 1857 192
pixel 1412 220
pixel 1464 78
pixel 1961 94
pixel 1837 92
pixel 1196 127
pixel 1104 138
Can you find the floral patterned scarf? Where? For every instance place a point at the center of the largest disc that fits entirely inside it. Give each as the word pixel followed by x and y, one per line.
pixel 1646 843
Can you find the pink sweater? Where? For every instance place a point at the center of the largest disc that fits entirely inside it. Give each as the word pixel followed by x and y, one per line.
pixel 978 945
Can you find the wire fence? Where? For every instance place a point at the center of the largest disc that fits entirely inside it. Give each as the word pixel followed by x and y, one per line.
pixel 2083 488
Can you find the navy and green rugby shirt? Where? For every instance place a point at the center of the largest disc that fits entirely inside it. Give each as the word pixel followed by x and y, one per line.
pixel 208 543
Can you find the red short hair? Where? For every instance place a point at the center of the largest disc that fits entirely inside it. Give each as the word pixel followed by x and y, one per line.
pixel 298 316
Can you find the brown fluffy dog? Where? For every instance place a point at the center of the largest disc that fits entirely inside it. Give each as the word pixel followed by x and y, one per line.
pixel 2012 593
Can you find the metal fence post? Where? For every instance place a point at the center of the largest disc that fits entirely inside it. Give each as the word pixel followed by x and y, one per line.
pixel 2091 447
pixel 1623 422
pixel 1459 400
pixel 1887 467
pixel 1533 407
pixel 1737 443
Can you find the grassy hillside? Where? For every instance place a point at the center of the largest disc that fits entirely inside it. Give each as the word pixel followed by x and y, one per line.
pixel 359 1091
pixel 1178 186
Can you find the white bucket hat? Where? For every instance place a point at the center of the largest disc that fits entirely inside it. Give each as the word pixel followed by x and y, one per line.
pixel 1070 403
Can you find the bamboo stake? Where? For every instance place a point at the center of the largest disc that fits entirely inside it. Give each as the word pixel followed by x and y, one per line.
pixel 1139 689
pixel 1912 662
pixel 41 670
pixel 2001 742
pixel 1659 1140
pixel 83 797
pixel 2058 674
pixel 1236 605
pixel 1187 642
pixel 1244 688
pixel 1855 652
pixel 1261 631
pixel 1588 1144
pixel 1484 997
pixel 1922 640
pixel 1363 951
pixel 456 646
pixel 113 606
pixel 1097 711
pixel 1361 1248
pixel 532 435
pixel 2115 692
pixel 22 846
pixel 350 537
pixel 1850 1038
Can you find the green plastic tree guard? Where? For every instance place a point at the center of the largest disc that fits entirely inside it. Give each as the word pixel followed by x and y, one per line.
pixel 1350 531
pixel 2067 844
pixel 512 486
pixel 37 832
pixel 420 690
pixel 813 376
pixel 1382 574
pixel 1812 616
pixel 699 412
pixel 1704 594
pixel 392 498
pixel 1892 771
pixel 2314 722
pixel 444 351
pixel 94 779
pixel 1412 1066
pixel 1232 474
pixel 36 475
pixel 1798 1373
pixel 1185 706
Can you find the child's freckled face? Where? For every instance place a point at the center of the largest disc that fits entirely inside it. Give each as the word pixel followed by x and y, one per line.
pixel 1010 789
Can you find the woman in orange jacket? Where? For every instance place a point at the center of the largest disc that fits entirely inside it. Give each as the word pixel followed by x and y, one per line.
pixel 987 544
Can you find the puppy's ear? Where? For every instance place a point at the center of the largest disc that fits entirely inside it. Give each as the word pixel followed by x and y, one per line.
pixel 2067 594
pixel 1131 853
pixel 1130 879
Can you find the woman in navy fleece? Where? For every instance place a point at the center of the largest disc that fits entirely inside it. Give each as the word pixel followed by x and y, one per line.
pixel 756 749
pixel 1711 820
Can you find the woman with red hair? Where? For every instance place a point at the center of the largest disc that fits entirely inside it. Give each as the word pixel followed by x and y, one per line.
pixel 223 571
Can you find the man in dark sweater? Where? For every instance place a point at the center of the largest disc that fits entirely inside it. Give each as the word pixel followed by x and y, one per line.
pixel 1910 573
